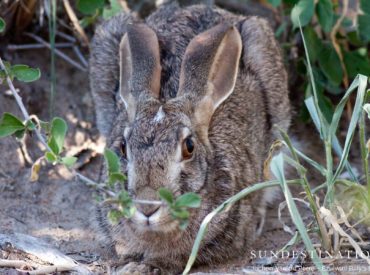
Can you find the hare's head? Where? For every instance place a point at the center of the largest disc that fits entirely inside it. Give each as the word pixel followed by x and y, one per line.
pixel 166 144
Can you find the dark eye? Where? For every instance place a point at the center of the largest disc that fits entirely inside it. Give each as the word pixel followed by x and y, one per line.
pixel 187 148
pixel 123 148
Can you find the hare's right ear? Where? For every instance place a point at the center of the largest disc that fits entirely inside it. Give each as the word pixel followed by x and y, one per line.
pixel 140 68
pixel 209 70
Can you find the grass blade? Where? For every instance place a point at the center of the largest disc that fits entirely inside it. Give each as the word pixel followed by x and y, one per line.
pixel 277 168
pixel 320 118
pixel 356 114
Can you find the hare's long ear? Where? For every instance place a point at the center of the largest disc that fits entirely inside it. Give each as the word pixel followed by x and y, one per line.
pixel 140 68
pixel 209 70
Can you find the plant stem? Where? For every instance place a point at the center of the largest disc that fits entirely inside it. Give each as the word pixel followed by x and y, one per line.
pixel 364 153
pixel 52 31
pixel 329 172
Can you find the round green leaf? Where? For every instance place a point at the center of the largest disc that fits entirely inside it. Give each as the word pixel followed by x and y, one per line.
pixel 330 65
pixel 165 195
pixel 51 157
pixel 325 14
pixel 25 73
pixel 128 212
pixel 364 27
pixel 356 64
pixel 10 124
pixel 188 200
pixel 89 6
pixel 114 177
pixel 2 25
pixel 314 44
pixel 57 135
pixel 114 215
pixel 69 161
pixel 302 12
pixel 124 199
pixel 180 214
pixel 112 161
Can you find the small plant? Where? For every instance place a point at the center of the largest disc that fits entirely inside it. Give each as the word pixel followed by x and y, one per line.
pixel 56 131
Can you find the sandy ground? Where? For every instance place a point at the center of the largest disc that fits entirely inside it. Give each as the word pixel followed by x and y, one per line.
pixel 57 208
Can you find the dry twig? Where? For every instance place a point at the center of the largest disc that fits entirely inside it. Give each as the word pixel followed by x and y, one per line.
pixel 57 52
pixel 76 24
pixel 13 47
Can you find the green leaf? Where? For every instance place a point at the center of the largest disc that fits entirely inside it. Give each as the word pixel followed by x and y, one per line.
pixel 19 134
pixel 57 135
pixel 365 6
pixel 114 177
pixel 124 199
pixel 53 145
pixel 180 214
pixel 51 157
pixel 364 27
pixel 302 12
pixel 10 124
pixel 2 25
pixel 188 200
pixel 25 73
pixel 30 125
pixel 112 161
pixel 115 215
pixel 128 212
pixel 330 65
pixel 313 42
pixel 68 161
pixel 275 3
pixel 115 9
pixel 89 6
pixel 166 195
pixel 324 10
pixel 356 64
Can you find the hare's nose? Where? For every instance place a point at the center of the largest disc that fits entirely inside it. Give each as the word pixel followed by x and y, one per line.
pixel 148 210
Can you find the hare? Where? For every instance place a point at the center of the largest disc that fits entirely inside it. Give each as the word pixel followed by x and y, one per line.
pixel 188 98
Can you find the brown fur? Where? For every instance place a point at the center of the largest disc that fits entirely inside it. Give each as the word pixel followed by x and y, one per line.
pixel 230 146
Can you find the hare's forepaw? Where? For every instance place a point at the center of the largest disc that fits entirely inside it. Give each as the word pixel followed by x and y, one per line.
pixel 135 268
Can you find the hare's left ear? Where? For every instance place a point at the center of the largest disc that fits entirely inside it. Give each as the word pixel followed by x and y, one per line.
pixel 209 70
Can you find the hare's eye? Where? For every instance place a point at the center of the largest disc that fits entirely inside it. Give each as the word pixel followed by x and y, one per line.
pixel 123 148
pixel 187 148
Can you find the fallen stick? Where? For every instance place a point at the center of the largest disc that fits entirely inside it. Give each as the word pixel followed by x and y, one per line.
pixel 14 47
pixel 57 52
pixel 29 245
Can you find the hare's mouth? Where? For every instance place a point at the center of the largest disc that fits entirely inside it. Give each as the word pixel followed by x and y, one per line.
pixel 160 221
